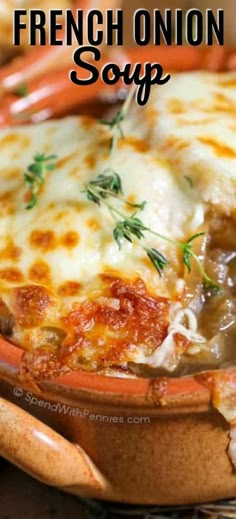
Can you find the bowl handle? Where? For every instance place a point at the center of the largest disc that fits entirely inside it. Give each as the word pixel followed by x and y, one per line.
pixel 45 455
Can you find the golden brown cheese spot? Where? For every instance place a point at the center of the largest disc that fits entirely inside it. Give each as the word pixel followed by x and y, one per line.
pixel 90 160
pixel 39 364
pixel 175 142
pixel 223 103
pixel 221 150
pixel 176 106
pixel 12 173
pixel 40 273
pixel 163 162
pixel 230 82
pixel 96 333
pixel 15 138
pixel 59 216
pixel 74 172
pixel 152 115
pixel 6 197
pixel 190 122
pixel 109 274
pixel 70 239
pixel 93 224
pixel 87 122
pixel 10 252
pixel 181 145
pixel 139 145
pixel 69 289
pixel 61 163
pixel 127 317
pixel 11 275
pixel 31 304
pixel 45 240
pixel 117 354
pixel 51 206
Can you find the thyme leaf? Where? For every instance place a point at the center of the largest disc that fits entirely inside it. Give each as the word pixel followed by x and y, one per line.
pixel 187 250
pixel 108 183
pixel 115 124
pixel 128 229
pixel 158 260
pixel 34 177
pixel 131 228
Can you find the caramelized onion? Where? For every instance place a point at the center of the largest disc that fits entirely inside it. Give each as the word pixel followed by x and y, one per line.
pixel 6 320
pixel 219 315
pixel 223 234
pixel 193 279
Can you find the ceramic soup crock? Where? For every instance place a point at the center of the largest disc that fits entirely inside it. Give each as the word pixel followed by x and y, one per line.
pixel 116 439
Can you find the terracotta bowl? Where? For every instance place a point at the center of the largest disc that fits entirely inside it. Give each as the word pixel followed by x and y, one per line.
pixel 112 439
pixel 116 439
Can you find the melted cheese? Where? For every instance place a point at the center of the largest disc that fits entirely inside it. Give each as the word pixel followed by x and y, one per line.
pixel 52 256
pixel 71 235
pixel 192 121
pixel 75 298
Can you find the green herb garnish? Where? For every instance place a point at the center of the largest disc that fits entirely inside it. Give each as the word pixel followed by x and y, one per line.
pixel 132 229
pixel 108 184
pixel 158 260
pixel 115 124
pixel 35 175
pixel 129 228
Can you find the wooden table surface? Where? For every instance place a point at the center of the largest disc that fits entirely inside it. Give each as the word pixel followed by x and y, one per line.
pixel 22 497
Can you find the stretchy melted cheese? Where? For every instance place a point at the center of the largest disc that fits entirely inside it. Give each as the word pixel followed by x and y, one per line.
pixel 70 297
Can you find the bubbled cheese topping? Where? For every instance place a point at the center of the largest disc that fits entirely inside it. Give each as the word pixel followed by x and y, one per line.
pixel 75 299
pixel 65 237
pixel 192 121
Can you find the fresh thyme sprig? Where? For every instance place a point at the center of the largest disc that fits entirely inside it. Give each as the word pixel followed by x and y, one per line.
pixel 115 124
pixel 35 175
pixel 131 228
pixel 108 184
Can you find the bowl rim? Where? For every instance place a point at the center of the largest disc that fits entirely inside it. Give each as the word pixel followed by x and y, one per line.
pixel 176 391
